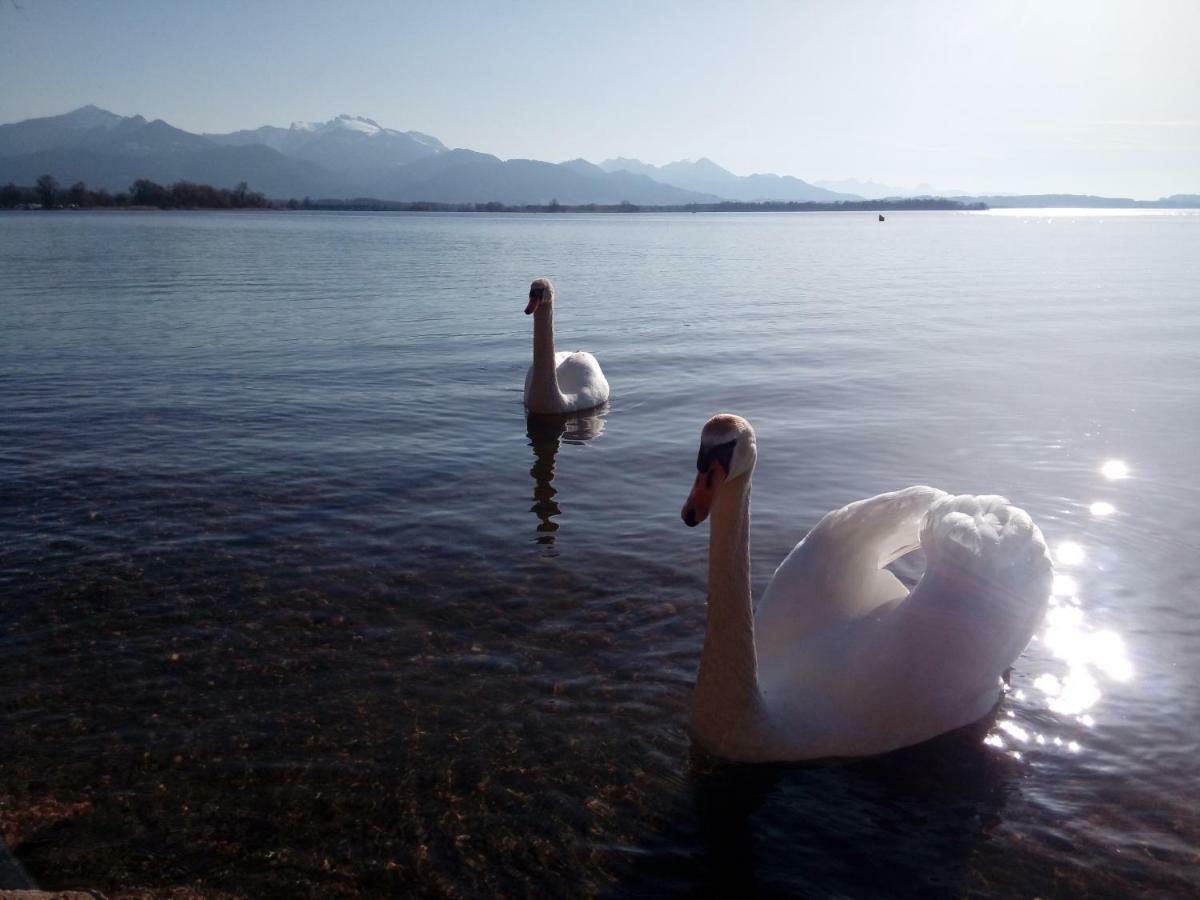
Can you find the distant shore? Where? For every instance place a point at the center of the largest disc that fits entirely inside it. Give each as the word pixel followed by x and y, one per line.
pixel 621 208
pixel 49 194
pixel 725 206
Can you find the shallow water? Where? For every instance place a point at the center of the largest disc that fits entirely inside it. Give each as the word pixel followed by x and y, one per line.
pixel 297 604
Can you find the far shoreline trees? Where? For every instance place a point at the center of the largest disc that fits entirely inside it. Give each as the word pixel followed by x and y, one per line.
pixel 46 193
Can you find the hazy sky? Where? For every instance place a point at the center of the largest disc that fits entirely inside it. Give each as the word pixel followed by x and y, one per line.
pixel 1061 95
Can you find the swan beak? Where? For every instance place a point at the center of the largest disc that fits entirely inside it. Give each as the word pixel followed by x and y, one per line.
pixel 704 489
pixel 532 305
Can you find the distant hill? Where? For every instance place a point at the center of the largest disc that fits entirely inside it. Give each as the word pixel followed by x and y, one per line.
pixel 706 177
pixel 464 176
pixel 345 157
pixel 266 170
pixel 109 151
pixel 873 190
pixel 52 132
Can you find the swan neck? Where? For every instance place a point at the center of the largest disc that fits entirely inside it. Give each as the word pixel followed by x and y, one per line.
pixel 728 707
pixel 545 372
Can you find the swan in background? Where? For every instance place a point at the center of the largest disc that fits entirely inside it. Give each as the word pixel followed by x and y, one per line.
pixel 840 659
pixel 558 382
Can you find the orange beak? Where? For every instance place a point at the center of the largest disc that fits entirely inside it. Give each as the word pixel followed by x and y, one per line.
pixel 704 489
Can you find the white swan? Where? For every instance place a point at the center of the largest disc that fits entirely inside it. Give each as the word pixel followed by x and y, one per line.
pixel 840 659
pixel 558 382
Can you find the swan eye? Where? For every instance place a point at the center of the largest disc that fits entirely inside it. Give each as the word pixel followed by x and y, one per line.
pixel 720 453
pixel 537 294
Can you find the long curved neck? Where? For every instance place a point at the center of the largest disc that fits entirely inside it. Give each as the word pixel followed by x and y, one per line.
pixel 728 711
pixel 545 394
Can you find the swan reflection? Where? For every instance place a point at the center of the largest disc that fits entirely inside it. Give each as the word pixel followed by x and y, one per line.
pixel 546 434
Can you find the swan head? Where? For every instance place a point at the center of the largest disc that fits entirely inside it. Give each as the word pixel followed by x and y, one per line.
pixel 728 450
pixel 541 291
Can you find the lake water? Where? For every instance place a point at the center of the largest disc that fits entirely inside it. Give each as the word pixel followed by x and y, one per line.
pixel 295 603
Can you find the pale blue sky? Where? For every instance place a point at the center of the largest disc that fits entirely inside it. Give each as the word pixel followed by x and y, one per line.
pixel 1073 95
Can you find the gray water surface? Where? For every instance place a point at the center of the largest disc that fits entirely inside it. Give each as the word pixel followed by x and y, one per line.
pixel 294 602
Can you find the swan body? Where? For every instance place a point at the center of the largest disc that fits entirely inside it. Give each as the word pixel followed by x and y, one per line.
pixel 840 659
pixel 581 383
pixel 558 382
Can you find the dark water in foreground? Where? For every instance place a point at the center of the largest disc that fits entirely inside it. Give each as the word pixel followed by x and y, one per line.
pixel 294 602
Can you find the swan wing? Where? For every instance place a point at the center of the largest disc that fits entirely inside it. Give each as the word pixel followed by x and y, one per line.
pixel 581 380
pixel 837 571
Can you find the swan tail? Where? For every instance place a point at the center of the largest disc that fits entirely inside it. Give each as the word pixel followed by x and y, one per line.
pixel 988 575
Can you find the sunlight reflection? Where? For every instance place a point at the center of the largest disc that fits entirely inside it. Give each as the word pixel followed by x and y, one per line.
pixel 1074 212
pixel 1069 553
pixel 1012 729
pixel 1080 659
pixel 1085 653
pixel 1114 469
pixel 1064 586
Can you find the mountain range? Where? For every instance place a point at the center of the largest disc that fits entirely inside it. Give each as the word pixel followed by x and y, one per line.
pixel 351 157
pixel 706 177
pixel 873 190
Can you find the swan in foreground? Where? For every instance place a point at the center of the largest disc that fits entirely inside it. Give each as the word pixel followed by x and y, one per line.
pixel 840 659
pixel 558 382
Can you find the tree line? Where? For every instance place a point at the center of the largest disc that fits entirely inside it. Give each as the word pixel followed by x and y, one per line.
pixel 907 203
pixel 47 193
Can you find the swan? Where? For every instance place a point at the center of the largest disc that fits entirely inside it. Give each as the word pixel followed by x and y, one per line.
pixel 558 382
pixel 840 659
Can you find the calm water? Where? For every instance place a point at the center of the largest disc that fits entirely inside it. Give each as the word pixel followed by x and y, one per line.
pixel 295 603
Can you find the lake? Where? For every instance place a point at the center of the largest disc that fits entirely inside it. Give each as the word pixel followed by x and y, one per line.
pixel 297 604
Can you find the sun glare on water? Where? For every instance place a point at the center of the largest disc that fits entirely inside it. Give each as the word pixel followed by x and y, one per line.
pixel 1078 659
pixel 1069 553
pixel 1114 469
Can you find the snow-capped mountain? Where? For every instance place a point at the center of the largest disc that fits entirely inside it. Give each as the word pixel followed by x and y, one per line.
pixel 354 146
pixel 363 125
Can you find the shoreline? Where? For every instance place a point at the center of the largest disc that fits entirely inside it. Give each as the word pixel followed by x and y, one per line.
pixel 480 209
